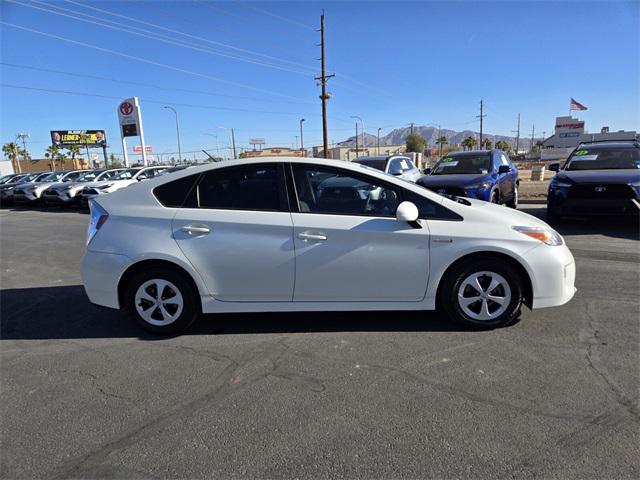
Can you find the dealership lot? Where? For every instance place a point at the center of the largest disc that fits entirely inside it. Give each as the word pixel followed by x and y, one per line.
pixel 393 394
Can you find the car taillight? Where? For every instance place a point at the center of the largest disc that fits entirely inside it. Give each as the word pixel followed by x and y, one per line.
pixel 98 218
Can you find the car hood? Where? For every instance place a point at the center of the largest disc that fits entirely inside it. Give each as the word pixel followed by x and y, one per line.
pixel 459 180
pixel 492 213
pixel 28 184
pixel 599 176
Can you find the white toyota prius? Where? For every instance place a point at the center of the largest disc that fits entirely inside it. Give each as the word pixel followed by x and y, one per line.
pixel 292 234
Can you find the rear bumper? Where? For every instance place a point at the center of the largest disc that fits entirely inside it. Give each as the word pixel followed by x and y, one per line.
pixel 101 274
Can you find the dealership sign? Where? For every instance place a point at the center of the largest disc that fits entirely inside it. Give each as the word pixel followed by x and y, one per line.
pixel 130 120
pixel 138 149
pixel 84 138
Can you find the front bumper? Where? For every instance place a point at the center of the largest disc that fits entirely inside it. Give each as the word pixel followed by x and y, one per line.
pixel 26 197
pixel 59 198
pixel 553 272
pixel 101 274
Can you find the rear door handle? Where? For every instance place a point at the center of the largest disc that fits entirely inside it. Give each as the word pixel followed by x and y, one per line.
pixel 196 229
pixel 317 237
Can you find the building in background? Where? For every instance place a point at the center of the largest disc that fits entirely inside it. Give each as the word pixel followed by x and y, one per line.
pixel 274 152
pixel 350 153
pixel 46 165
pixel 570 132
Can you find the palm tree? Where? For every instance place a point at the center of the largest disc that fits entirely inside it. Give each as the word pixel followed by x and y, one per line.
pixel 486 144
pixel 469 143
pixel 12 151
pixel 73 151
pixel 442 141
pixel 502 145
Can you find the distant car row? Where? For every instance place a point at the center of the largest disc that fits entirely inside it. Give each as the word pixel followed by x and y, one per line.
pixel 71 187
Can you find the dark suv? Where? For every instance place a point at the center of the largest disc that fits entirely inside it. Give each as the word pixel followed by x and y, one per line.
pixel 599 178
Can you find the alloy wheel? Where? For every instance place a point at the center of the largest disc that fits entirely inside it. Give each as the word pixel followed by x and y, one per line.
pixel 484 295
pixel 158 302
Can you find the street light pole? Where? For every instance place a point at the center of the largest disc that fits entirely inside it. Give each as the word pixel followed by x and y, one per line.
pixel 233 140
pixel 177 133
pixel 379 140
pixel 301 137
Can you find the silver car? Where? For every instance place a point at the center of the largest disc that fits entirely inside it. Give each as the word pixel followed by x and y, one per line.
pixel 70 193
pixel 396 165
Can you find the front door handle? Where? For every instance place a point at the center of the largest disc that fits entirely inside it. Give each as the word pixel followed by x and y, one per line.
pixel 196 229
pixel 316 237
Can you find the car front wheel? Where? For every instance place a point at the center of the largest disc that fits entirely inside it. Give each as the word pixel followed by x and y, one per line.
pixel 161 301
pixel 513 203
pixel 482 294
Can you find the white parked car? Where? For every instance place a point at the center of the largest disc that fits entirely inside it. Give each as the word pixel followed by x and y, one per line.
pixel 292 234
pixel 126 177
pixel 69 193
pixel 396 165
pixel 30 193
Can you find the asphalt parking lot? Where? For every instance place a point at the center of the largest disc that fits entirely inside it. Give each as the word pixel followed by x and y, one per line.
pixel 85 394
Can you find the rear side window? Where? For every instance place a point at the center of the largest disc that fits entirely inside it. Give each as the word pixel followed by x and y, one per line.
pixel 428 209
pixel 251 187
pixel 174 194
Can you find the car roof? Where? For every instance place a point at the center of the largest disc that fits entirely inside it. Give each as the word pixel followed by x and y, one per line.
pixel 613 144
pixel 469 153
pixel 381 157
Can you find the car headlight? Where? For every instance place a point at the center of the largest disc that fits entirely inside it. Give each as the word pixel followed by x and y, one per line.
pixel 544 234
pixel 559 184
pixel 480 186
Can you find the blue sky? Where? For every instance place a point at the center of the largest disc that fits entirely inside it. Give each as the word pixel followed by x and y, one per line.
pixel 250 65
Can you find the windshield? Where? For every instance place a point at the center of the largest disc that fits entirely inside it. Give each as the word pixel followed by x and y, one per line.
pixel 5 179
pixel 594 158
pixel 29 178
pixel 53 177
pixel 89 176
pixel 378 164
pixel 463 164
pixel 127 174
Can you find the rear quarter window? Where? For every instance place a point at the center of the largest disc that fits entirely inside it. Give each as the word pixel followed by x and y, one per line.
pixel 176 193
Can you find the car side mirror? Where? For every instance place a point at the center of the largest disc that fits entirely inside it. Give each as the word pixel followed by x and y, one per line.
pixel 504 169
pixel 554 167
pixel 427 171
pixel 408 212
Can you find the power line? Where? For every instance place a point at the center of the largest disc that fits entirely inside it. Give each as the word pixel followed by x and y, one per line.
pixel 160 87
pixel 164 102
pixel 285 19
pixel 144 60
pixel 152 35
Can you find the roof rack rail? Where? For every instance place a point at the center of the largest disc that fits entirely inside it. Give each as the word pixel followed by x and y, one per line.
pixel 635 141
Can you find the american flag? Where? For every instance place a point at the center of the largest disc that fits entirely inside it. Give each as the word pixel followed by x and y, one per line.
pixel 576 105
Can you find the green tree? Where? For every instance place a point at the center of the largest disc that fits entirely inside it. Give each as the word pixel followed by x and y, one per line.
pixel 487 144
pixel 415 143
pixel 468 143
pixel 73 151
pixel 12 151
pixel 502 145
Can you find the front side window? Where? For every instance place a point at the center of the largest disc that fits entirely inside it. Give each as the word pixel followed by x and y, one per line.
pixel 127 174
pixel 251 187
pixel 463 164
pixel 332 191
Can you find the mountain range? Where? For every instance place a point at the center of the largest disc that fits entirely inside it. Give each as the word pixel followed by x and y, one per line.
pixel 430 134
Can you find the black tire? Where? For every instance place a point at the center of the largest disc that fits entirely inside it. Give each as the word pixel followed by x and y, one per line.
pixel 513 203
pixel 453 281
pixel 553 217
pixel 190 304
pixel 494 197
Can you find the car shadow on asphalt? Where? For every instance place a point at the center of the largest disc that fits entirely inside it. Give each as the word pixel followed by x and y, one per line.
pixel 624 228
pixel 64 312
pixel 60 209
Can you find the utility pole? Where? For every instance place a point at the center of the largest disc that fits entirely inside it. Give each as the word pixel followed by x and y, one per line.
pixel 356 139
pixel 517 132
pixel 233 143
pixel 324 95
pixel 379 140
pixel 301 137
pixel 411 129
pixel 481 116
pixel 533 131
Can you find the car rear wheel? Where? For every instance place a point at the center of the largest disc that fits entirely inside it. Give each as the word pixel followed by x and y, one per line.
pixel 494 197
pixel 482 294
pixel 513 203
pixel 161 301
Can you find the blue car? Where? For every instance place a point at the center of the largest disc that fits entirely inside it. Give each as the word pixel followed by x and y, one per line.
pixel 486 175
pixel 598 179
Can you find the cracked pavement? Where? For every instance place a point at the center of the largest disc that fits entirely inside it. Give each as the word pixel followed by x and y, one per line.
pixel 85 394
